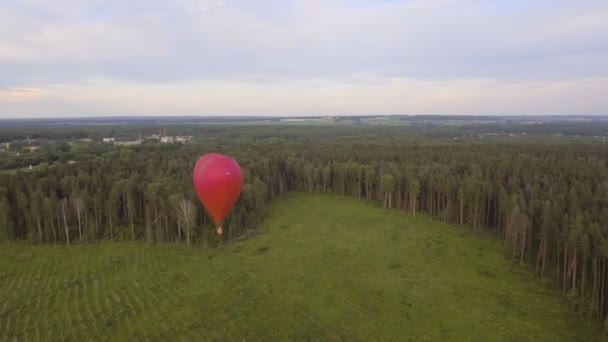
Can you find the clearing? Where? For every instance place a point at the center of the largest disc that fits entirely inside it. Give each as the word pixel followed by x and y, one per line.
pixel 323 268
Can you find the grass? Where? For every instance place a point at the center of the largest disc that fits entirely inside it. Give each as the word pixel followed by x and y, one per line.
pixel 323 268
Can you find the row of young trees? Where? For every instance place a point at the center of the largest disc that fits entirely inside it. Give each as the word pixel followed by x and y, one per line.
pixel 549 202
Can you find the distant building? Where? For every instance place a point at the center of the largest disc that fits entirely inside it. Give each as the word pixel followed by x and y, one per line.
pixel 108 140
pixel 295 120
pixel 183 138
pixel 167 140
pixel 5 146
pixel 128 143
pixel 32 148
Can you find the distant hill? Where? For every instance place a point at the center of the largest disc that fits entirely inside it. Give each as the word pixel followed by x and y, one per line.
pixel 364 119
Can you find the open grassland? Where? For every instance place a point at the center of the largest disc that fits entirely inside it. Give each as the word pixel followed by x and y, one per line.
pixel 323 268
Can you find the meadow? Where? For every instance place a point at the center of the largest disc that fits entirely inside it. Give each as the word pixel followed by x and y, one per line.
pixel 321 268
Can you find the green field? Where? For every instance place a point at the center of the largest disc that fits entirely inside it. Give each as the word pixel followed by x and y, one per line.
pixel 322 268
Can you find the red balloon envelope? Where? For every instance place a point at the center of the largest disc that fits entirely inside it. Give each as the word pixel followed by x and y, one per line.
pixel 218 181
pixel 201 162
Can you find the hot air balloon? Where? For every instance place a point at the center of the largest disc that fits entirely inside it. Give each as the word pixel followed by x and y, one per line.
pixel 218 181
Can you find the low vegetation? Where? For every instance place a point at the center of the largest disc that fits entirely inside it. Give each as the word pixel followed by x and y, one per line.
pixel 321 268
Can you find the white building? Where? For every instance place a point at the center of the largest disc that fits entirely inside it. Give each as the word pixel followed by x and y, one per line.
pixel 167 140
pixel 128 143
pixel 108 140
pixel 183 138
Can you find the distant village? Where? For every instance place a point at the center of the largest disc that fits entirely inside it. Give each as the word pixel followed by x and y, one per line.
pixel 31 145
pixel 162 139
pixel 161 136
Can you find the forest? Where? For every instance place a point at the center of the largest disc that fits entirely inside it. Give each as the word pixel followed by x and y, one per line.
pixel 546 197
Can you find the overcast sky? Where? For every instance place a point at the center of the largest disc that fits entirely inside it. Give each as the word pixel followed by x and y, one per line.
pixel 302 57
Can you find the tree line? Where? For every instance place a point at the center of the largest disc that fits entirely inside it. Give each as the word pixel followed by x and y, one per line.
pixel 547 201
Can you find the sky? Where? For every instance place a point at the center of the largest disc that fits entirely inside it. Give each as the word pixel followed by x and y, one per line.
pixel 76 58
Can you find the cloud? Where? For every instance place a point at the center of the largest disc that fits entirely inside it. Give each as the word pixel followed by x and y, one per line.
pixel 20 95
pixel 333 45
pixel 395 96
